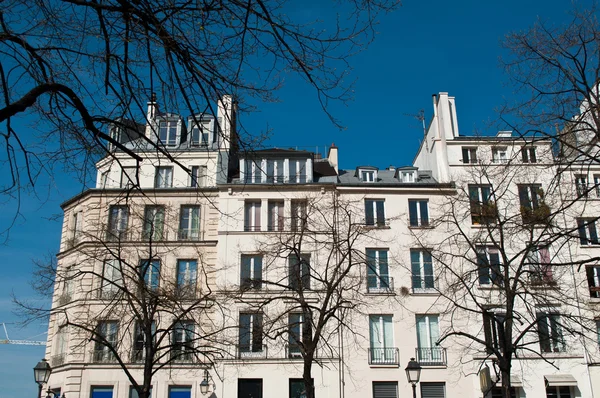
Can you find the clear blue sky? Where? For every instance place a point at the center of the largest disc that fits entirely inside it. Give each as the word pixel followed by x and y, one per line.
pixel 423 48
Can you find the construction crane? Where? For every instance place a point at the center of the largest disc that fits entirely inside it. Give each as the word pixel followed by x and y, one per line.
pixel 20 342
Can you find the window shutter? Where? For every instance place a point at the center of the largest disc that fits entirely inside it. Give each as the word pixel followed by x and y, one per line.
pixel 385 389
pixel 433 390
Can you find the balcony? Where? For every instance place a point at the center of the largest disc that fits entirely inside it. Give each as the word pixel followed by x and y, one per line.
pixel 103 355
pixel 380 284
pixel 431 356
pixel 251 351
pixel 384 356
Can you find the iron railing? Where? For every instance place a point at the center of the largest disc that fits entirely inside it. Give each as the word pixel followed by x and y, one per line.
pixel 380 284
pixel 251 351
pixel 384 356
pixel 431 356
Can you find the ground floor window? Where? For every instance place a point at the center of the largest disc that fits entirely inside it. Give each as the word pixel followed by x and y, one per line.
pixel 180 392
pixel 101 392
pixel 558 392
pixel 433 390
pixel 497 392
pixel 385 389
pixel 250 388
pixel 297 388
pixel 134 394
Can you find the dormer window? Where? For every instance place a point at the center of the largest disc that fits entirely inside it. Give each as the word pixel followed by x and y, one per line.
pixel 297 171
pixel 366 174
pixel 276 170
pixel 167 132
pixel 408 176
pixel 201 133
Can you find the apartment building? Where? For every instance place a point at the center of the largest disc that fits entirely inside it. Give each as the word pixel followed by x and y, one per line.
pixel 251 262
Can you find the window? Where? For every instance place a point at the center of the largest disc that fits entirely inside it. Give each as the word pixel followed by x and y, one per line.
pixel 540 268
pixel 200 135
pixel 418 213
pixel 497 393
pixel 275 171
pixel 189 223
pixel 252 172
pixel 77 226
pixel 299 330
pixel 493 329
pixel 154 223
pixel 251 272
pixel 499 155
pixel 61 346
pixel 297 388
pixel 597 185
pixel 275 217
pixel 550 332
pixel 134 394
pixel 150 271
pixel 163 177
pixel 408 176
pixel 469 155
pixel 428 334
pixel 112 278
pixel 598 332
pixel 101 392
pixel 105 339
pixel 533 208
pixel 299 275
pixel 385 389
pixel 298 172
pixel 433 390
pixel 167 132
pixel 129 177
pixel 367 175
pixel 250 388
pixel 581 184
pixel 187 271
pixel 117 223
pixel 183 341
pixel 483 209
pixel 198 177
pixel 558 392
pixel 139 341
pixel 587 231
pixel 381 334
pixel 593 278
pixel 299 215
pixel 103 179
pixel 375 212
pixel 250 334
pixel 378 278
pixel 180 392
pixel 252 215
pixel 528 154
pixel 422 271
pixel 68 286
pixel 489 266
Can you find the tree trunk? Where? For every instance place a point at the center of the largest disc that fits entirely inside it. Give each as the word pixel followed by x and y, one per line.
pixel 505 383
pixel 309 385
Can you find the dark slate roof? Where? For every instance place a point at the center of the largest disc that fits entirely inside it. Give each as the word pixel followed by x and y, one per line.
pixel 323 169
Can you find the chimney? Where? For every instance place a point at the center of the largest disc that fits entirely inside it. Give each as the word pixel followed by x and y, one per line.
pixel 226 118
pixel 151 117
pixel 332 157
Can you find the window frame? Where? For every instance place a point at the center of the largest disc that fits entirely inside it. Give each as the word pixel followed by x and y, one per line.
pixel 493 329
pixel 118 220
pixel 254 327
pixel 299 214
pixel 163 177
pixel 419 271
pixel 592 273
pixel 275 215
pixel 589 237
pixel 499 154
pixel 581 184
pixel 469 154
pixel 110 285
pixel 296 339
pixel 129 180
pixel 375 213
pixel 528 154
pixel 193 216
pixel 253 264
pixel 299 274
pixel 102 351
pixel 150 273
pixel 481 204
pixel 378 272
pixel 415 213
pixel 183 348
pixel 154 223
pixel 550 334
pixel 187 278
pixel 488 268
pixel 169 127
pixel 252 215
pixel 198 176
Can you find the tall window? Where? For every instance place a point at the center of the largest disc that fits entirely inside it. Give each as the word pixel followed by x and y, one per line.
pixel 139 341
pixel 550 332
pixel 299 330
pixel 187 273
pixel 489 266
pixel 77 226
pixel 418 213
pixel 198 177
pixel 117 223
pixel 533 208
pixel 163 177
pixel 154 223
pixel 252 215
pixel 167 132
pixel 150 271
pixel 112 278
pixel 593 279
pixel 528 154
pixel 129 177
pixel 540 268
pixel 587 231
pixel 381 333
pixel 61 346
pixel 297 388
pixel 493 328
pixel 251 272
pixel 423 279
pixel 105 341
pixel 252 172
pixel 183 341
pixel 375 212
pixel 499 155
pixel 250 333
pixel 378 278
pixel 299 272
pixel 581 184
pixel 433 390
pixel 469 155
pixel 428 334
pixel 483 209
pixel 275 171
pixel 189 223
pixel 298 171
pixel 299 215
pixel 597 185
pixel 275 218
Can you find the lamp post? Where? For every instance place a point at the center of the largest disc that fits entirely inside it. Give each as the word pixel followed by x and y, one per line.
pixel 413 374
pixel 41 373
pixel 204 383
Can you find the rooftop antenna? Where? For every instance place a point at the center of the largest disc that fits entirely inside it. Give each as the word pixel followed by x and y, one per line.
pixel 421 117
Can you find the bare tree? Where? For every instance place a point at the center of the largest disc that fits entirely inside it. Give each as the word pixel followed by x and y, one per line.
pixel 71 69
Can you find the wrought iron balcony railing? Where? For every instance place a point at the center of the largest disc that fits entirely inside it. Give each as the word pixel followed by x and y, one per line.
pixel 251 351
pixel 384 356
pixel 431 356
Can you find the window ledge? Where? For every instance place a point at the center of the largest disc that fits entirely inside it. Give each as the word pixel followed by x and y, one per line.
pixel 377 227
pixel 594 301
pixel 490 287
pixel 595 246
pixel 375 366
pixel 425 292
pixel 420 226
pixel 481 226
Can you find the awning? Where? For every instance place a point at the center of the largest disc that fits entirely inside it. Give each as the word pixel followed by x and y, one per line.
pixel 560 380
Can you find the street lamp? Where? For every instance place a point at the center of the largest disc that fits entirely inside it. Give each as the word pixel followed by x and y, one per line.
pixel 413 374
pixel 204 384
pixel 41 373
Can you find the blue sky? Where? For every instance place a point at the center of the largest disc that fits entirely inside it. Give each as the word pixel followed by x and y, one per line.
pixel 423 48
